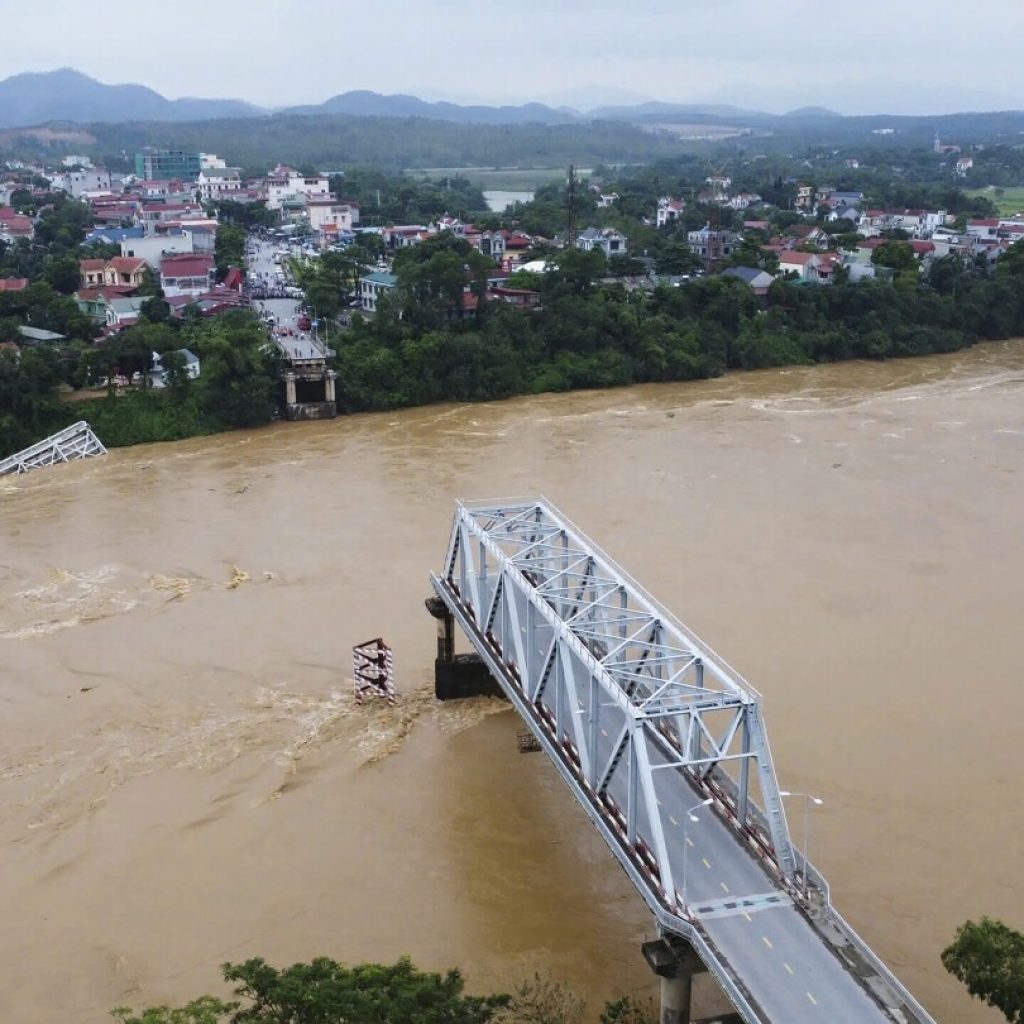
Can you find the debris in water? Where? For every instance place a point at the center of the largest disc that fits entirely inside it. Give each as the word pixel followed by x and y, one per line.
pixel 238 577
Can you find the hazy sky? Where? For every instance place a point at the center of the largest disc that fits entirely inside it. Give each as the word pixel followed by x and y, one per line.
pixel 900 56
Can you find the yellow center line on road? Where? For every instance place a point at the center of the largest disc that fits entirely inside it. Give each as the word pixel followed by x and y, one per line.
pixel 812 999
pixel 706 864
pixel 788 968
pixel 767 941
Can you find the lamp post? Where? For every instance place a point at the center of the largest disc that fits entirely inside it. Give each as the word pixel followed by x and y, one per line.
pixel 808 800
pixel 690 816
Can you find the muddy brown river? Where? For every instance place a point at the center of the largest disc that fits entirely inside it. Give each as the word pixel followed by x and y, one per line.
pixel 185 779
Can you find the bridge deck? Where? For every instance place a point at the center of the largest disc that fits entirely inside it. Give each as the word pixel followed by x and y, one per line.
pixel 663 745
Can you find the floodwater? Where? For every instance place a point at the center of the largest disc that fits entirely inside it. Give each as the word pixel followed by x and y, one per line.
pixel 184 778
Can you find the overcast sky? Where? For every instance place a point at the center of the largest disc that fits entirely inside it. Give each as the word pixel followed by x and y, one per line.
pixel 892 56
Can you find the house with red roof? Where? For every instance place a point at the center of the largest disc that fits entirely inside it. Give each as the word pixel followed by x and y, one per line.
pixel 808 266
pixel 13 284
pixel 186 274
pixel 669 211
pixel 15 225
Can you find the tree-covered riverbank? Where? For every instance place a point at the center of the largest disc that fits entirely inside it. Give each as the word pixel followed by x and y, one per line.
pixel 427 344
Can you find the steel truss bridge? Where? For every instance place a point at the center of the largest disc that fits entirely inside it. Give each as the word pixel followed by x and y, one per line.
pixel 74 442
pixel 664 747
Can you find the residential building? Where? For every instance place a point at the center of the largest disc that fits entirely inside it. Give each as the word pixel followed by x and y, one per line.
pixel 123 312
pixel 759 280
pixel 963 165
pixel 214 182
pixel 522 298
pixel 77 183
pixel 669 211
pixel 14 225
pixel 155 215
pixel 158 375
pixel 610 241
pixel 152 163
pixel 37 336
pixel 742 200
pixel 492 244
pixel 606 199
pixel 189 274
pixel 985 229
pixel 804 198
pixel 372 286
pixel 330 217
pixel 808 266
pixel 93 301
pixel 295 187
pixel 13 284
pixel 712 245
pixel 121 271
pixel 153 248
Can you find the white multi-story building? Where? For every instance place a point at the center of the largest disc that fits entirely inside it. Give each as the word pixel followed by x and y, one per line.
pixel 213 182
pixel 295 186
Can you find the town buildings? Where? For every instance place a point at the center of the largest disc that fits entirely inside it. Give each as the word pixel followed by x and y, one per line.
pixel 152 163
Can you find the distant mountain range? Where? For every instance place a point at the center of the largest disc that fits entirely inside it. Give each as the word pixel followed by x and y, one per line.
pixel 66 95
pixel 34 98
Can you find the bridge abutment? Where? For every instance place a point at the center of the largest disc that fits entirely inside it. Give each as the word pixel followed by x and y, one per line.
pixel 674 961
pixel 457 675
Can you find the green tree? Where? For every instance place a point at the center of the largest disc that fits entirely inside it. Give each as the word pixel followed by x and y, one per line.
pixel 988 957
pixel 629 1010
pixel 206 1010
pixel 895 254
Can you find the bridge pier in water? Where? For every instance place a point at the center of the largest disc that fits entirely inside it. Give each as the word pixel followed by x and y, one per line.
pixel 304 384
pixel 675 962
pixel 457 675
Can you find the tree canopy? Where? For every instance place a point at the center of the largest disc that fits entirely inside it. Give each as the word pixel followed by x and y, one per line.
pixel 988 957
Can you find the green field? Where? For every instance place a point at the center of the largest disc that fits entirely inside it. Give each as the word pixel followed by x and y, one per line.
pixel 513 179
pixel 1008 200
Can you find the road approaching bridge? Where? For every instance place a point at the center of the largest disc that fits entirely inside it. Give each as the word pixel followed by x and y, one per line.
pixel 664 747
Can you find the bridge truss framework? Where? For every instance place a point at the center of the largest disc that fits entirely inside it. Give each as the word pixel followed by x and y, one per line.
pixel 74 442
pixel 625 700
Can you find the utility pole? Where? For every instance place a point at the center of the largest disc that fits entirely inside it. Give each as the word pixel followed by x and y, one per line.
pixel 570 209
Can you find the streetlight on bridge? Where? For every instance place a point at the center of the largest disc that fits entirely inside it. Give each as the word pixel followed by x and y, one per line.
pixel 690 816
pixel 808 800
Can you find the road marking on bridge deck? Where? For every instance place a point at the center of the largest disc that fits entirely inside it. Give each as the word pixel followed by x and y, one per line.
pixel 689 841
pixel 725 888
pixel 767 941
pixel 726 906
pixel 604 732
pixel 706 864
pixel 812 999
pixel 673 820
pixel 788 968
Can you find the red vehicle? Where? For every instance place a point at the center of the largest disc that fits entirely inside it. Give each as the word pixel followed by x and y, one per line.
pixel 304 323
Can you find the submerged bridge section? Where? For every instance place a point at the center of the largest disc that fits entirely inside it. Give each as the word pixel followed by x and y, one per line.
pixel 74 442
pixel 664 747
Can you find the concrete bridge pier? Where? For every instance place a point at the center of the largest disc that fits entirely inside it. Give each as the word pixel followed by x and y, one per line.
pixel 457 675
pixel 675 962
pixel 289 388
